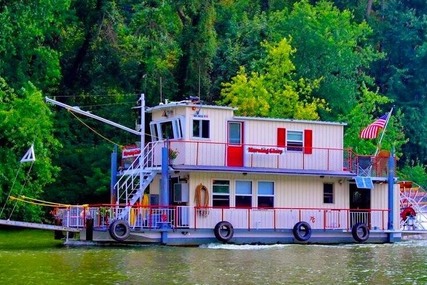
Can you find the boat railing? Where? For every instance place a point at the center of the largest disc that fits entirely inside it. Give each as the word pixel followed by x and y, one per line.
pixel 175 217
pixel 199 153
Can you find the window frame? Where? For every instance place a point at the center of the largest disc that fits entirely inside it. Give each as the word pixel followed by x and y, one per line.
pixel 218 196
pixel 265 195
pixel 201 128
pixel 235 138
pixel 294 144
pixel 328 198
pixel 237 195
pixel 157 133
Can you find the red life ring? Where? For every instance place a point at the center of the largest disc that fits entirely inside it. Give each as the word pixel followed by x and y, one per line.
pixel 408 211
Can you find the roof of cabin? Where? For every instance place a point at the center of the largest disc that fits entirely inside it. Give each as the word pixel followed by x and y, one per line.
pixel 190 103
pixel 289 120
pixel 185 103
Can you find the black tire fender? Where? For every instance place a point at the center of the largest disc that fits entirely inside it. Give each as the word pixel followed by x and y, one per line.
pixel 360 232
pixel 224 231
pixel 302 231
pixel 119 230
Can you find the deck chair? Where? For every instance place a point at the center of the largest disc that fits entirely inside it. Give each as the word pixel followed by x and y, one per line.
pixel 364 166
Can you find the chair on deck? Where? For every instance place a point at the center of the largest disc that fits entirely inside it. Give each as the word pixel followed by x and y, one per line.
pixel 364 166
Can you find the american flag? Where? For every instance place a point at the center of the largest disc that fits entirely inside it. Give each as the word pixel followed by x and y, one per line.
pixel 371 131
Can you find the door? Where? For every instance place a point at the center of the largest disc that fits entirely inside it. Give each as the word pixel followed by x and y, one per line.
pixel 360 205
pixel 235 144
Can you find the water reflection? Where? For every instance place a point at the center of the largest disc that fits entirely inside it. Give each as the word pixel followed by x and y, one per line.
pixel 401 263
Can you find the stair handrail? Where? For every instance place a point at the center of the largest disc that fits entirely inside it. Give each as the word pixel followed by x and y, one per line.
pixel 147 154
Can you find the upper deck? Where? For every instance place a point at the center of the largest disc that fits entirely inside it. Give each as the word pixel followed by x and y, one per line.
pixel 212 138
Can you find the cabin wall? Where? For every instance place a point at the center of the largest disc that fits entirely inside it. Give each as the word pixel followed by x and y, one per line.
pixel 298 192
pixel 290 191
pixel 322 141
pixel 264 131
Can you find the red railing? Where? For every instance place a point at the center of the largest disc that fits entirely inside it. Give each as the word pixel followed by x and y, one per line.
pixel 149 218
pixel 258 155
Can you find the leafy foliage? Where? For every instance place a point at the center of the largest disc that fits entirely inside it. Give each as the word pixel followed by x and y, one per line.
pixel 25 120
pixel 273 92
pixel 329 45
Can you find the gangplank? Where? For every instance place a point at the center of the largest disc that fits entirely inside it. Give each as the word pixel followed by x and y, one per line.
pixel 38 226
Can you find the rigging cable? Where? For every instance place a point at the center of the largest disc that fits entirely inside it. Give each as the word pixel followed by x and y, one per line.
pixel 8 195
pixel 93 130
pixel 22 188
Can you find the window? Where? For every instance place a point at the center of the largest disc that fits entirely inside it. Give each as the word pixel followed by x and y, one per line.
pixel 171 129
pixel 328 193
pixel 221 193
pixel 201 128
pixel 294 140
pixel 265 194
pixel 166 130
pixel 234 133
pixel 243 194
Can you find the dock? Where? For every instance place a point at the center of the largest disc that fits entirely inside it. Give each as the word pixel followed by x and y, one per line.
pixel 38 226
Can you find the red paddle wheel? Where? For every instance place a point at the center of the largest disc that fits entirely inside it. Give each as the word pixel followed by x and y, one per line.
pixel 413 206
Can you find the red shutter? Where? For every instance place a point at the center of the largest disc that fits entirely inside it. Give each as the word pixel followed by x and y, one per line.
pixel 281 137
pixel 308 141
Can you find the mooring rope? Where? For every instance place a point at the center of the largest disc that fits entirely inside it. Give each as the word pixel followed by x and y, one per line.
pixel 34 201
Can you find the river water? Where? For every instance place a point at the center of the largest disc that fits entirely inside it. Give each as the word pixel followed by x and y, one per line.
pixel 34 257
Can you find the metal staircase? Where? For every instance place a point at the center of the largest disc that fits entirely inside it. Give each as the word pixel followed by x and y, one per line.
pixel 134 180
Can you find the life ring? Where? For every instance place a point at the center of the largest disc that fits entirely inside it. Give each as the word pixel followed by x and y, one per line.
pixel 224 231
pixel 201 190
pixel 119 230
pixel 302 231
pixel 360 232
pixel 408 211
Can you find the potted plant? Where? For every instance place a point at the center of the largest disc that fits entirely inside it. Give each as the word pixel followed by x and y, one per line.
pixel 173 153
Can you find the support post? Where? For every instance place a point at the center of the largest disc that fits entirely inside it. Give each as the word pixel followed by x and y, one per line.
pixel 164 194
pixel 390 183
pixel 113 180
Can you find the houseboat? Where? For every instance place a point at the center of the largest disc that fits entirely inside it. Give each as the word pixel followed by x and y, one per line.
pixel 207 175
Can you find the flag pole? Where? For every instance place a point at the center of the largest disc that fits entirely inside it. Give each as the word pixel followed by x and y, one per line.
pixel 382 133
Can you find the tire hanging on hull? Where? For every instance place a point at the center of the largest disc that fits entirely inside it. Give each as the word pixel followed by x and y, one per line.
pixel 302 231
pixel 360 232
pixel 119 230
pixel 224 231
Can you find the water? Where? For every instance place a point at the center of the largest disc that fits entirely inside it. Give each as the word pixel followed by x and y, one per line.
pixel 34 257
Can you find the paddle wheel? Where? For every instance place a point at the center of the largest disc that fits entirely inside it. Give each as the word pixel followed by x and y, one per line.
pixel 413 206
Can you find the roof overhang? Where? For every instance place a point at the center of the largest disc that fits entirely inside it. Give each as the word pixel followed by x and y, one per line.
pixel 273 171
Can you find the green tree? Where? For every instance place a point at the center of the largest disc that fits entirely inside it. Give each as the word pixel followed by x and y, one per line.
pixel 29 41
pixel 199 44
pixel 274 91
pixel 24 120
pixel 329 45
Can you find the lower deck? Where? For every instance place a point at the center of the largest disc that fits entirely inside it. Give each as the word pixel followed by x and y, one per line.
pixel 184 225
